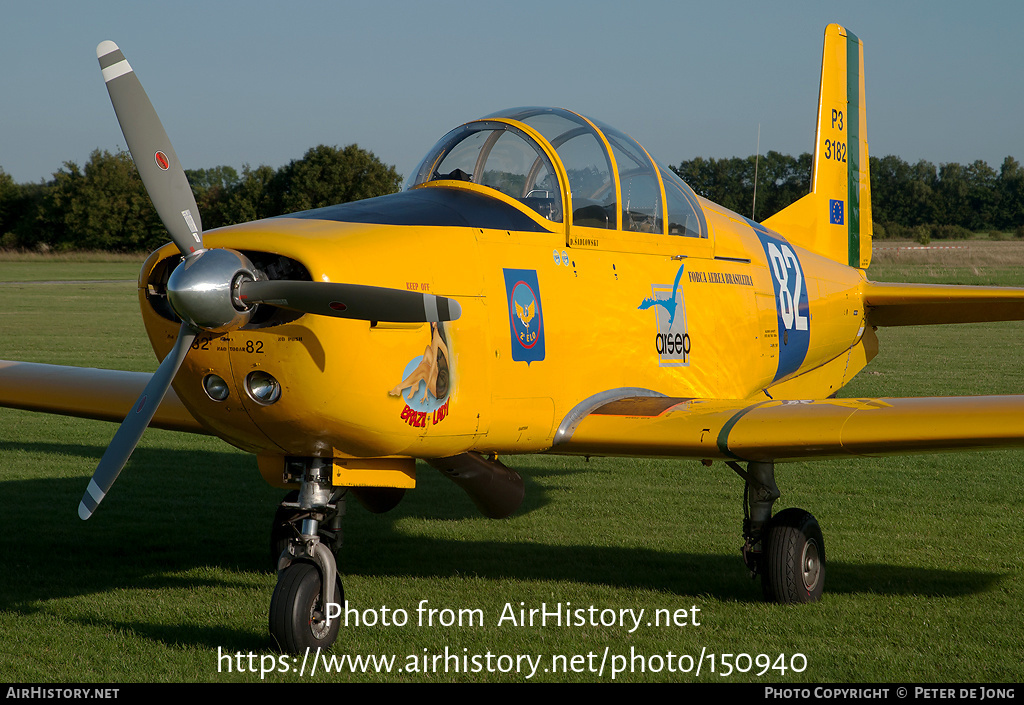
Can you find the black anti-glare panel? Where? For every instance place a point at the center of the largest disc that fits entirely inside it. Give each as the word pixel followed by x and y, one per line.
pixel 428 206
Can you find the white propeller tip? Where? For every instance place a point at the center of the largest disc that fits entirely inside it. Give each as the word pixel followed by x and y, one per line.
pixel 104 48
pixel 83 511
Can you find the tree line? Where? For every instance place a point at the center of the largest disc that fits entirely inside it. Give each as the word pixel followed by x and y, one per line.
pixel 104 206
pixel 907 200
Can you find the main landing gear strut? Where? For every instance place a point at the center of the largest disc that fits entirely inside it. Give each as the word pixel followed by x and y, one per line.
pixel 787 550
pixel 306 534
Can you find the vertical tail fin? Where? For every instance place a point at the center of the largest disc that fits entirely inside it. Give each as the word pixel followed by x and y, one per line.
pixel 834 219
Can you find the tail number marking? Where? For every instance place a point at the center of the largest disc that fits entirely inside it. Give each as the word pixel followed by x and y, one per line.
pixel 783 263
pixel 835 150
pixel 837 119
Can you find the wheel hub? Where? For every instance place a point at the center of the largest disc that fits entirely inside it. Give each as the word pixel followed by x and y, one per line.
pixel 810 564
pixel 318 620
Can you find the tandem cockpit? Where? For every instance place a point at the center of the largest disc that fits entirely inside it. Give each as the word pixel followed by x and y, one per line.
pixel 567 169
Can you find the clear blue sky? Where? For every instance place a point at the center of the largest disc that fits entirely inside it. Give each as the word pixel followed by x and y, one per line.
pixel 260 82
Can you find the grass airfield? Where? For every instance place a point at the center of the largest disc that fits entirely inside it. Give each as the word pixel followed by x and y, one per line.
pixel 925 578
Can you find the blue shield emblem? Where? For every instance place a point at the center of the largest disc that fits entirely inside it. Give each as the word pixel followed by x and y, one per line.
pixel 525 315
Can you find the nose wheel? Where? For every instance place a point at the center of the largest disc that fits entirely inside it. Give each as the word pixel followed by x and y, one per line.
pixel 299 619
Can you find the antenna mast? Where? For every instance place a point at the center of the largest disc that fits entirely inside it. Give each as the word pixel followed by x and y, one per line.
pixel 757 158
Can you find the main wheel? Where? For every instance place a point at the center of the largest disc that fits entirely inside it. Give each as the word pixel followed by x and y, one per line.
pixel 298 617
pixel 793 558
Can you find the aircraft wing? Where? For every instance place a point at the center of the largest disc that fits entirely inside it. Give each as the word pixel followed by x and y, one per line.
pixel 107 395
pixel 925 304
pixel 730 429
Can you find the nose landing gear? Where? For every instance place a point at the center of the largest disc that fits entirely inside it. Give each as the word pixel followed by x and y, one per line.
pixel 309 595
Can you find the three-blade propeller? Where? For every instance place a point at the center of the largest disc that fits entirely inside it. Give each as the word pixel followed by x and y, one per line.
pixel 214 290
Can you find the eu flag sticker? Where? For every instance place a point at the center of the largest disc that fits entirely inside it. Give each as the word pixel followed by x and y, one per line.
pixel 525 315
pixel 835 211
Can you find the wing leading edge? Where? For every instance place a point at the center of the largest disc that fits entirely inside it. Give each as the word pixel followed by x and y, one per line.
pixel 106 395
pixel 776 430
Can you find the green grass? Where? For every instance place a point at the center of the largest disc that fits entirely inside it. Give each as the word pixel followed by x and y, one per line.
pixel 975 262
pixel 924 575
pixel 32 266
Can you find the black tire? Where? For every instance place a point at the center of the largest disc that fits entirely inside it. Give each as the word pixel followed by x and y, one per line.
pixel 793 558
pixel 297 618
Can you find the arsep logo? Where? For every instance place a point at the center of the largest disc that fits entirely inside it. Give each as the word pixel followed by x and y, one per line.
pixel 525 315
pixel 672 340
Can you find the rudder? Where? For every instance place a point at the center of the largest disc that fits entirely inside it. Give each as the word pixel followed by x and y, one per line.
pixel 834 219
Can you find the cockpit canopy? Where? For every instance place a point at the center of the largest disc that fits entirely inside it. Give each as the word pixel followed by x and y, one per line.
pixel 557 163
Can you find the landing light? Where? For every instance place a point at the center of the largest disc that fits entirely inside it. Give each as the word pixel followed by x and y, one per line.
pixel 216 388
pixel 262 387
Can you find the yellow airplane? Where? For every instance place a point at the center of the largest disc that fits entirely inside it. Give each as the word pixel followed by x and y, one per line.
pixel 542 286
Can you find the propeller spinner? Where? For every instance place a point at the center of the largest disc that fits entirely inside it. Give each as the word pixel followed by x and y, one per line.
pixel 214 290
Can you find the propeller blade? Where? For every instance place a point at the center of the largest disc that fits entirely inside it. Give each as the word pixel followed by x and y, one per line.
pixel 151 150
pixel 358 301
pixel 131 429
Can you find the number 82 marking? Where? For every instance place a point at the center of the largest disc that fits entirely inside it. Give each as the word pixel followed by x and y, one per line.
pixel 783 261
